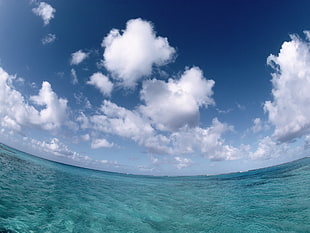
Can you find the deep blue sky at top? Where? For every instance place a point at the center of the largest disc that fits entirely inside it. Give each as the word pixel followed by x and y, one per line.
pixel 228 40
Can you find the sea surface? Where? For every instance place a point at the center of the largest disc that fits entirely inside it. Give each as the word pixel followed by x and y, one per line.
pixel 37 195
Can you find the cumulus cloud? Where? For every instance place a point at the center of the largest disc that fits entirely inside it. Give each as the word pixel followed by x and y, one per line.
pixel 54 113
pixel 122 122
pixel 182 162
pixel 207 141
pixel 131 124
pixel 125 123
pixel 53 146
pixel 16 112
pixel 10 123
pixel 288 110
pixel 212 143
pixel 101 143
pixel 78 57
pixel 175 104
pixel 45 11
pixel 101 82
pixel 48 39
pixel 131 55
pixel 269 148
pixel 259 125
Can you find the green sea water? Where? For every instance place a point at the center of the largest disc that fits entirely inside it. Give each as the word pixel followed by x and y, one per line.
pixel 42 196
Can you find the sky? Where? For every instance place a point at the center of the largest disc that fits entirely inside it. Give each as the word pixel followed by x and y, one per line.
pixel 155 87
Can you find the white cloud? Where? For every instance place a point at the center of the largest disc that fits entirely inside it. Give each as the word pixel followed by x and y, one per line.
pixel 175 104
pixel 53 146
pixel 288 110
pixel 63 153
pixel 132 54
pixel 268 149
pixel 213 145
pixel 122 122
pixel 9 123
pixel 182 162
pixel 206 141
pixel 259 125
pixel 74 77
pixel 101 82
pixel 78 57
pixel 101 143
pixel 54 113
pixel 131 124
pixel 46 11
pixel 16 113
pixel 48 39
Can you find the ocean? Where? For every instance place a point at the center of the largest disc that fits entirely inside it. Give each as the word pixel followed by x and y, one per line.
pixel 37 195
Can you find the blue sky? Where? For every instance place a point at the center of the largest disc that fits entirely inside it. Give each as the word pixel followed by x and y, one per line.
pixel 155 87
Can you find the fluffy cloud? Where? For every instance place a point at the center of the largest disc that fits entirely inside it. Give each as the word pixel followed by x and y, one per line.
pixel 182 162
pixel 16 113
pixel 122 122
pixel 11 124
pixel 48 39
pixel 132 54
pixel 53 146
pixel 78 57
pixel 268 148
pixel 45 11
pixel 213 145
pixel 54 113
pixel 206 141
pixel 101 143
pixel 259 125
pixel 175 104
pixel 125 123
pixel 101 82
pixel 288 110
pixel 133 125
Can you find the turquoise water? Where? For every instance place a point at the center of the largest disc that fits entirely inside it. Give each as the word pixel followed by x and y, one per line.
pixel 41 196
